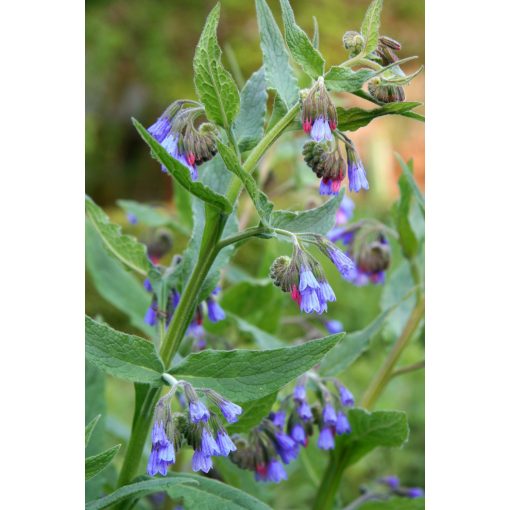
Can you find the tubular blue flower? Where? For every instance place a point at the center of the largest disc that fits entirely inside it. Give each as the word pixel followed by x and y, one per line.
pixel 225 444
pixel 341 234
pixel 321 130
pixel 391 481
pixel 230 410
pixel 155 465
pixel 300 393
pixel 345 211
pixel 275 471
pixel 208 444
pixel 132 218
pixel 346 396
pixel 171 145
pixel 342 262
pixel 161 128
pixel 329 415
pixel 334 326
pixel 304 411
pixel 147 285
pixel 201 462
pixel 342 424
pixel 151 315
pixel 324 294
pixel 326 439
pixel 329 186
pixel 284 441
pixel 167 453
pixel 162 451
pixel 278 418
pixel 307 279
pixel 298 434
pixel 198 411
pixel 414 492
pixel 355 171
pixel 261 473
pixel 214 310
pixel 310 302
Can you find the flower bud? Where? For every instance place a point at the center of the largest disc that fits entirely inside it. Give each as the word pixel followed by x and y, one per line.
pixel 318 115
pixel 159 246
pixel 386 93
pixel 279 270
pixel 389 42
pixel 327 164
pixel 353 41
pixel 374 257
pixel 199 145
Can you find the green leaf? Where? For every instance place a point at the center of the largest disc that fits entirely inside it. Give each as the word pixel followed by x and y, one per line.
pixel 408 174
pixel 244 375
pixel 353 346
pixel 262 338
pixel 395 504
pixel 401 214
pixel 96 463
pixel 125 248
pixel 181 173
pixel 279 74
pixel 215 86
pixel 299 45
pixel 370 26
pixel 249 124
pixel 315 40
pixel 137 490
pixel 344 79
pixel 259 198
pixel 370 430
pixel 253 413
pixel 90 428
pixel 319 220
pixel 208 494
pixel 278 112
pixel 118 286
pixel 121 355
pixel 151 216
pixel 351 119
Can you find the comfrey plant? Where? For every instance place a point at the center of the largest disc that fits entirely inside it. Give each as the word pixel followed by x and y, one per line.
pixel 257 409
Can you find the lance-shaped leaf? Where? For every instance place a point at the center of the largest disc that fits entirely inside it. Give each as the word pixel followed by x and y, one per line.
pixel 408 174
pixel 279 74
pixel 344 79
pixel 319 220
pixel 253 413
pixel 370 26
pixel 215 86
pixel 90 428
pixel 181 173
pixel 397 503
pixel 259 198
pixel 96 463
pixel 121 355
pixel 244 375
pixel 315 39
pixel 351 119
pixel 125 248
pixel 299 45
pixel 249 124
pixel 401 214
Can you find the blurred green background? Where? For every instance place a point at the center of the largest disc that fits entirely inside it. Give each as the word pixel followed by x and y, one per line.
pixel 139 59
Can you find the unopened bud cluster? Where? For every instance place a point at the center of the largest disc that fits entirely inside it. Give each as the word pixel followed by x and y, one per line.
pixel 326 161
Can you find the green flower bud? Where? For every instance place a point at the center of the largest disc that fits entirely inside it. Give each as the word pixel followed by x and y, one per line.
pixel 353 42
pixel 386 93
pixel 279 270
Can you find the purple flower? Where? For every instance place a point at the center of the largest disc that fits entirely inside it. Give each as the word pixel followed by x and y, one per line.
pixel 334 326
pixel 307 279
pixel 132 218
pixel 161 128
pixel 214 311
pixel 355 171
pixel 345 212
pixel 310 301
pixel 391 481
pixel 298 434
pixel 167 453
pixel 414 492
pixel 198 411
pixel 230 410
pixel 170 144
pixel 278 419
pixel 326 439
pixel 147 285
pixel 162 452
pixel 284 441
pixel 225 444
pixel 346 397
pixel 321 130
pixel 208 444
pixel 342 262
pixel 155 466
pixel 304 411
pixel 151 316
pixel 176 297
pixel 329 415
pixel 275 471
pixel 300 392
pixel 196 330
pixel 330 186
pixel 342 424
pixel 324 294
pixel 201 462
pixel 341 234
pixel 286 447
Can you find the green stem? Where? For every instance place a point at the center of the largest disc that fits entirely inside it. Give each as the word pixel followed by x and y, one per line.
pixel 331 480
pixel 245 234
pixel 408 369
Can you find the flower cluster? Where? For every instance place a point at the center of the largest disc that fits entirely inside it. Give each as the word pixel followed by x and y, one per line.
pixel 177 132
pixel 302 275
pixel 318 115
pixel 279 437
pixel 199 426
pixel 392 482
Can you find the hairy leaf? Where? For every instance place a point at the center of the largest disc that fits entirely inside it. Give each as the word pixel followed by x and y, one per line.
pixel 408 174
pixel 279 74
pixel 90 428
pixel 315 40
pixel 125 248
pixel 244 375
pixel 253 413
pixel 370 26
pixel 344 79
pixel 96 463
pixel 181 173
pixel 249 123
pixel 121 355
pixel 215 86
pixel 319 220
pixel 351 119
pixel 262 338
pixel 299 45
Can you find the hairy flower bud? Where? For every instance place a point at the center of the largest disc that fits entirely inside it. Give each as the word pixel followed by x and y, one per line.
pixel 279 270
pixel 374 257
pixel 386 93
pixel 327 163
pixel 353 42
pixel 159 246
pixel 319 113
pixel 199 145
pixel 389 42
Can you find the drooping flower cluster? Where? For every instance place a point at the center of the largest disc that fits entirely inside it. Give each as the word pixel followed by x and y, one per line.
pixel 369 248
pixel 177 132
pixel 392 482
pixel 318 115
pixel 280 437
pixel 200 427
pixel 302 275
